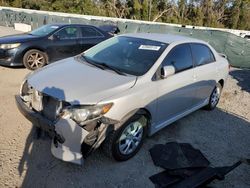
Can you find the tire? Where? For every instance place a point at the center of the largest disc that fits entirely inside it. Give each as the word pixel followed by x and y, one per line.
pixel 214 97
pixel 114 143
pixel 34 59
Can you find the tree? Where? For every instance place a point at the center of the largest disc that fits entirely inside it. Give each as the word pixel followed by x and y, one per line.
pixel 212 13
pixel 207 7
pixel 244 15
pixel 182 9
pixel 235 13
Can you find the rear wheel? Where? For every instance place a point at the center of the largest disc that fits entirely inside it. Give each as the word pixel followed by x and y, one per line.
pixel 34 59
pixel 214 97
pixel 125 142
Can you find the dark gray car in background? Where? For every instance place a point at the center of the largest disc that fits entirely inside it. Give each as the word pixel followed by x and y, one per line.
pixel 50 43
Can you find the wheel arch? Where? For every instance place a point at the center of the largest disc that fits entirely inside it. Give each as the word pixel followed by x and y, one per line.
pixel 144 111
pixel 138 111
pixel 221 82
pixel 36 48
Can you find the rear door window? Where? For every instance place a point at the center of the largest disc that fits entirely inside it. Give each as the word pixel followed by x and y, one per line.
pixel 180 57
pixel 202 54
pixel 88 32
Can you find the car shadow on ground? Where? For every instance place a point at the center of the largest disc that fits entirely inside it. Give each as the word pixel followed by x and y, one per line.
pixel 15 67
pixel 243 78
pixel 222 137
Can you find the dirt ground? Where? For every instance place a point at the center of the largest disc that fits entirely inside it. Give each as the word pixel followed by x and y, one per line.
pixel 223 136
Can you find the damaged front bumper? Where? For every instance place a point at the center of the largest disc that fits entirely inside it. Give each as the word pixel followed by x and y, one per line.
pixel 70 142
pixel 37 119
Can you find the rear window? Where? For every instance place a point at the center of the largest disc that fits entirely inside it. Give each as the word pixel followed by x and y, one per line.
pixel 202 54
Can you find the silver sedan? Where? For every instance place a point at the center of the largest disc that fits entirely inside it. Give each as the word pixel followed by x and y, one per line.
pixel 120 91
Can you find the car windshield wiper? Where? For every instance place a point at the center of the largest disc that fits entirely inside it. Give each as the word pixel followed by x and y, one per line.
pixel 112 68
pixel 92 63
pixel 103 66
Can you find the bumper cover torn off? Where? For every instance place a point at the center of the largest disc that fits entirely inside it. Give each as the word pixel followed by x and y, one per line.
pixel 67 135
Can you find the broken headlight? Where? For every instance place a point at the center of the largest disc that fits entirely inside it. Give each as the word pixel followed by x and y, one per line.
pixel 82 113
pixel 24 90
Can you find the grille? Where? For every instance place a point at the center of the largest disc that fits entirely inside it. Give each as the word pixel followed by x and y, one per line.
pixel 48 106
pixel 51 107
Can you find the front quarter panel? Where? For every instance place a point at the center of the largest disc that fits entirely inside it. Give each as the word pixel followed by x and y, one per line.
pixel 138 97
pixel 38 44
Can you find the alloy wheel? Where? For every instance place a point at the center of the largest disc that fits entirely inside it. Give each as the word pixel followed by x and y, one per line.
pixel 35 60
pixel 131 138
pixel 215 96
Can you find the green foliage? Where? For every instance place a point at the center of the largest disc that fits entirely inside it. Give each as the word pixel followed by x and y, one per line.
pixel 212 13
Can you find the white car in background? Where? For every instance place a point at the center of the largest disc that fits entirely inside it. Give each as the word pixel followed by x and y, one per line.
pixel 120 91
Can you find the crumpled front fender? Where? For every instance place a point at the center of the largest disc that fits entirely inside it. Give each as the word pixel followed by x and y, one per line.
pixel 74 135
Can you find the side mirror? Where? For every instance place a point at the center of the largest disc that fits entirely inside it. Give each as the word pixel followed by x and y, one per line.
pixel 167 71
pixel 55 37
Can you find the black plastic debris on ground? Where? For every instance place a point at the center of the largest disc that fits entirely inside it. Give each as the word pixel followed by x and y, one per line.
pixel 185 167
pixel 205 176
pixel 172 156
pixel 163 179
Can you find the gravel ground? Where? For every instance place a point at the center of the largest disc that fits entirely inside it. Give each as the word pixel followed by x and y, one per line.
pixel 223 135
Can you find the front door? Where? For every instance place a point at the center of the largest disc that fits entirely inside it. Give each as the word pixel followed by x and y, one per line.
pixel 64 44
pixel 176 93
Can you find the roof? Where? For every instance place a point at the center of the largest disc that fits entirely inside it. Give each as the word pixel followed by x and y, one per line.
pixel 68 24
pixel 166 38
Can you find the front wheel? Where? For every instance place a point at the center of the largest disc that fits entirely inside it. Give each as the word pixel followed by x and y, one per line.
pixel 214 97
pixel 34 59
pixel 125 142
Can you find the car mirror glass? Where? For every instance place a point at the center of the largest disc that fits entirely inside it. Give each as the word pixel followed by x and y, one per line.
pixel 167 71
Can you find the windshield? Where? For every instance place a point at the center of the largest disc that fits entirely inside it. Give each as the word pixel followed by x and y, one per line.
pixel 134 56
pixel 44 30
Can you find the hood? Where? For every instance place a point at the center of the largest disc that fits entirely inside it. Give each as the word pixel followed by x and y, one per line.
pixel 17 38
pixel 79 83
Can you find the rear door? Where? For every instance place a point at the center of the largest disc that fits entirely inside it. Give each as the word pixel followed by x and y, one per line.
pixel 176 93
pixel 64 43
pixel 204 71
pixel 90 36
